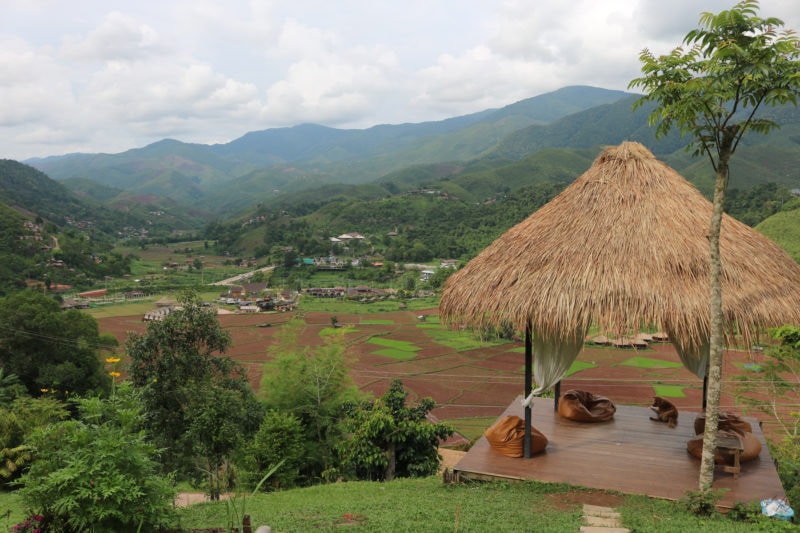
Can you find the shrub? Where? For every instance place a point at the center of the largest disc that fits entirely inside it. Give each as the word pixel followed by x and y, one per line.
pixel 279 438
pixel 98 473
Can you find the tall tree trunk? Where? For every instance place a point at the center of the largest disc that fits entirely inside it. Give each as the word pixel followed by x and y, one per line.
pixel 717 340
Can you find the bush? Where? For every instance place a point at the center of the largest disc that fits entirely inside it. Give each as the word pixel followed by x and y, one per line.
pixel 280 437
pixel 98 473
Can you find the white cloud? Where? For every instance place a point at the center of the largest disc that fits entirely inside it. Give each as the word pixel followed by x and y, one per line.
pixel 108 75
pixel 119 37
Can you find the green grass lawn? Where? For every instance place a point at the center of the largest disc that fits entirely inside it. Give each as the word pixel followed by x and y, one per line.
pixel 398 355
pixel 427 504
pixel 577 366
pixel 472 428
pixel 669 391
pixel 647 362
pixel 456 339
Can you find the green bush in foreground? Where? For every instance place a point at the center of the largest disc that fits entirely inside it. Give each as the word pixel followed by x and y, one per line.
pixel 98 473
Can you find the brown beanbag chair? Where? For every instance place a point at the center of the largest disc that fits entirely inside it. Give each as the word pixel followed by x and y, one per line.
pixel 727 422
pixel 584 406
pixel 730 425
pixel 507 436
pixel 750 443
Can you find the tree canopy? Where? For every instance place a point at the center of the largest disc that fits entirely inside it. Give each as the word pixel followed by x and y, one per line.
pixel 189 386
pixel 51 351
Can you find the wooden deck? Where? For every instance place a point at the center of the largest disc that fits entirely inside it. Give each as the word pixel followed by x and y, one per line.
pixel 630 454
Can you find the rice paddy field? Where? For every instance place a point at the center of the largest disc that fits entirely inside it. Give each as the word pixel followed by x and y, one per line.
pixel 472 380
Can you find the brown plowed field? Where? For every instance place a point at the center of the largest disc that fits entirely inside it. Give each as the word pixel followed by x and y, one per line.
pixel 471 383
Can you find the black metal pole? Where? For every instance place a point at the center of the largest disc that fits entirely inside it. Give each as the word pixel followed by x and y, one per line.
pixel 526 449
pixel 557 395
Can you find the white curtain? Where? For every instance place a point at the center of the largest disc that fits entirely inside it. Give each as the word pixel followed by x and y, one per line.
pixel 551 361
pixel 695 359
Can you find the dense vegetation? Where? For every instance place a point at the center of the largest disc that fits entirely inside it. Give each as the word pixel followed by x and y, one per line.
pixel 106 456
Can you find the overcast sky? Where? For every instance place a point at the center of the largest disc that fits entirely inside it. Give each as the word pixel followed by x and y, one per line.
pixel 108 75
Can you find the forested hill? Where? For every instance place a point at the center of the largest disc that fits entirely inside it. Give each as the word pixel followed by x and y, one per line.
pixel 248 169
pixel 50 234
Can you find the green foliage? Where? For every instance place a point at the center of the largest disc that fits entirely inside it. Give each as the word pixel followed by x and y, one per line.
pixel 216 420
pixel 279 440
pixel 179 366
pixel 50 350
pixel 701 502
pixel 439 277
pixel 312 385
pixel 18 419
pixel 752 206
pixel 99 472
pixel 10 387
pixel 736 62
pixel 387 438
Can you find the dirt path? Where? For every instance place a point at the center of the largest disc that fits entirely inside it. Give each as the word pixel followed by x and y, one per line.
pixel 184 499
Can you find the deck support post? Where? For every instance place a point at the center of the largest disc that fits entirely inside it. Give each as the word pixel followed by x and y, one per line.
pixel 526 443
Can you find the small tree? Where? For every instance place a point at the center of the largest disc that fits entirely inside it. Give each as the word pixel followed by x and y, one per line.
pixel 279 440
pixel 387 438
pixel 216 421
pixel 735 64
pixel 175 363
pixel 311 384
pixel 17 421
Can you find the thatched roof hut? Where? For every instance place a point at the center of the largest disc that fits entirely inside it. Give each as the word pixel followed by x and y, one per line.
pixel 625 245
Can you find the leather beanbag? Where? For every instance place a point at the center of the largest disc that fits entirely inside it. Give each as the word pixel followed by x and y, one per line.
pixel 730 425
pixel 727 422
pixel 584 406
pixel 750 443
pixel 507 436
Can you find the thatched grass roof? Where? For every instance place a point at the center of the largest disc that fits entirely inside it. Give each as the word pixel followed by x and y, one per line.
pixel 625 245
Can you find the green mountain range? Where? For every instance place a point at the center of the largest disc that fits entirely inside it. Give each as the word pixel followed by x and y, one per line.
pixel 447 187
pixel 474 156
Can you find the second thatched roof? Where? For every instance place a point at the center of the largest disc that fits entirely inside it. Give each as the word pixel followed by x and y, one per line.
pixel 624 245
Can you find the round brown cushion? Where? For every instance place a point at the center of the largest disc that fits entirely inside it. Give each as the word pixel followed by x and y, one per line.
pixel 584 406
pixel 507 436
pixel 750 443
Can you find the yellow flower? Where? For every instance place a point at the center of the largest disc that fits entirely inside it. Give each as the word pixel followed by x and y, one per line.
pixel 43 390
pixel 114 374
pixel 112 359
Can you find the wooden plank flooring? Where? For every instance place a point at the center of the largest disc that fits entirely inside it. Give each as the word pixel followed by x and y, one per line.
pixel 630 454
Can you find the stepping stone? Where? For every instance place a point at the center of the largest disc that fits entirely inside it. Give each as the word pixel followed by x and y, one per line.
pixel 601 520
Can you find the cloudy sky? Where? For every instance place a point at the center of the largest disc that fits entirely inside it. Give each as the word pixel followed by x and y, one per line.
pixel 110 75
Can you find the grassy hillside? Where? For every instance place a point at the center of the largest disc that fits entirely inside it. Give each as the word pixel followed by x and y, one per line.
pixel 784 229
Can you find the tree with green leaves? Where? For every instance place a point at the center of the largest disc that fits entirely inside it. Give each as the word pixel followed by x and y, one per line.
pixel 313 385
pixel 388 438
pixel 733 65
pixel 175 363
pixel 279 442
pixel 52 351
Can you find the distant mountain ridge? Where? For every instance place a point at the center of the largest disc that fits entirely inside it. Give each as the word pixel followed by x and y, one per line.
pixel 549 137
pixel 308 154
